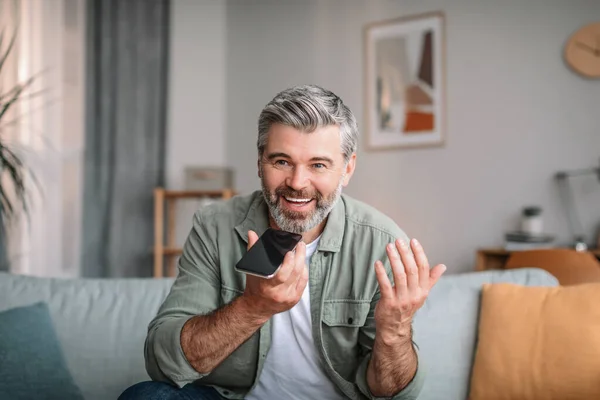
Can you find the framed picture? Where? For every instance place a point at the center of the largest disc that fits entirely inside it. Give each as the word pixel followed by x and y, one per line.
pixel 405 82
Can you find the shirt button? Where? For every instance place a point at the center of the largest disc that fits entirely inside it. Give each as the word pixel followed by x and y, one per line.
pixel 350 320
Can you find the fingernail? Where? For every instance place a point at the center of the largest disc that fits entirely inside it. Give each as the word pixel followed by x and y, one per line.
pixel 416 242
pixel 390 246
pixel 444 268
pixel 402 243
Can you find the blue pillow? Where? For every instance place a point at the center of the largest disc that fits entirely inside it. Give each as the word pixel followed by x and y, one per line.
pixel 32 365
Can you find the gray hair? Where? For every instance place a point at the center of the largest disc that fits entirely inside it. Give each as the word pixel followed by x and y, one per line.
pixel 307 108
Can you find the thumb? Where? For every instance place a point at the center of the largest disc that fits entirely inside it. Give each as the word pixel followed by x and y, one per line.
pixel 252 238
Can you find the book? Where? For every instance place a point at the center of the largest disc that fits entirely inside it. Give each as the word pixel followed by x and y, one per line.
pixel 525 237
pixel 521 246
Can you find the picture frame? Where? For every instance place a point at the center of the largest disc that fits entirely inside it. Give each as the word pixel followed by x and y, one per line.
pixel 405 82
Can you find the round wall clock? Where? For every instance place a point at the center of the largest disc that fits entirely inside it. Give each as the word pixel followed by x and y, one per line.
pixel 582 51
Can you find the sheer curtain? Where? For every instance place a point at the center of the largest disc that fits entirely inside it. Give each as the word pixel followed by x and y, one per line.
pixel 47 130
pixel 8 79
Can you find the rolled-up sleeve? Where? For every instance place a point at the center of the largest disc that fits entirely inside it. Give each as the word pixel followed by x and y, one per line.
pixel 367 338
pixel 196 291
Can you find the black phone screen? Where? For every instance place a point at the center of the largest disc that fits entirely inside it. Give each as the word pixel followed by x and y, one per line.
pixel 266 256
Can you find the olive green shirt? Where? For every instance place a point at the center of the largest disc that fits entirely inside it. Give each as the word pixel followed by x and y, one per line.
pixel 343 294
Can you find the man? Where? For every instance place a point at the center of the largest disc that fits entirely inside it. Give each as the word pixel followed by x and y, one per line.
pixel 330 324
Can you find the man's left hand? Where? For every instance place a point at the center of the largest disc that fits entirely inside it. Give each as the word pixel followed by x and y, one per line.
pixel 413 279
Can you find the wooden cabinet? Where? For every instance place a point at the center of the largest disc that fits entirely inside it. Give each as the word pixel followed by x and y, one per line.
pixel 496 258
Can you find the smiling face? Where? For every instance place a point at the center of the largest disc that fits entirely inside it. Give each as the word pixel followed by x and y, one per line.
pixel 302 175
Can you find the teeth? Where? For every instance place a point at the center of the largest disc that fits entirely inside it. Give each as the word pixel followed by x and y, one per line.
pixel 297 200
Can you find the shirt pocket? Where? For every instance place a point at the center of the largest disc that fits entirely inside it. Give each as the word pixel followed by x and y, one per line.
pixel 348 313
pixel 342 320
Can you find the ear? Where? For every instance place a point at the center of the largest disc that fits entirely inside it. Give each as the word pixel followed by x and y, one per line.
pixel 259 169
pixel 349 170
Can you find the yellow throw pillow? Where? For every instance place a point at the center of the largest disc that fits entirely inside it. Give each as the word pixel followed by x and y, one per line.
pixel 538 343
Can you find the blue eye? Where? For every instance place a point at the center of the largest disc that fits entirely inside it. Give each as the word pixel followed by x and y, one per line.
pixel 319 165
pixel 281 162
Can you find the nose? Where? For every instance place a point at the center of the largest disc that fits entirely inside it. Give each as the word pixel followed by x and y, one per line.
pixel 298 179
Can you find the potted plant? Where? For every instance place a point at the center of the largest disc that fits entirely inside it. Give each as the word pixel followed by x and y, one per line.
pixel 13 172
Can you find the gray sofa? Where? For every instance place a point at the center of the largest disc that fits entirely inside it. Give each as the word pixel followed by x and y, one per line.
pixel 101 324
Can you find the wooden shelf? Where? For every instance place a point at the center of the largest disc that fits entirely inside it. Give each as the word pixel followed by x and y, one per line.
pixel 168 198
pixel 182 194
pixel 172 251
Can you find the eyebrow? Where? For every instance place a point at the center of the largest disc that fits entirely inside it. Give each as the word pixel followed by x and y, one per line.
pixel 313 159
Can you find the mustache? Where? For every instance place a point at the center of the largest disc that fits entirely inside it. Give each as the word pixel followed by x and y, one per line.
pixel 298 194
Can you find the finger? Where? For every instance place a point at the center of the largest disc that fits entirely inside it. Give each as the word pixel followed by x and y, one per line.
pixel 385 286
pixel 302 281
pixel 397 270
pixel 422 263
pixel 300 261
pixel 410 266
pixel 286 268
pixel 252 239
pixel 435 274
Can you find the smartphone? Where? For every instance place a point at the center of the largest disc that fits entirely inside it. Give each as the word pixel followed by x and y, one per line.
pixel 266 256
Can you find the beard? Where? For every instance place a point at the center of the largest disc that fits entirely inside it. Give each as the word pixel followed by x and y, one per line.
pixel 298 221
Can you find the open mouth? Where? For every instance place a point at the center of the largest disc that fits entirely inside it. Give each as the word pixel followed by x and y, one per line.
pixel 296 203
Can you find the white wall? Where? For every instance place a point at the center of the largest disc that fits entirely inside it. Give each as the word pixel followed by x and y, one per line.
pixel 196 110
pixel 515 113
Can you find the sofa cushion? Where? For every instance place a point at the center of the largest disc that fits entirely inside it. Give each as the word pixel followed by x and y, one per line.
pixel 101 324
pixel 538 343
pixel 31 361
pixel 446 327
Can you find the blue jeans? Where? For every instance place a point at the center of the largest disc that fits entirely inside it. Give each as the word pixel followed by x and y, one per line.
pixel 162 391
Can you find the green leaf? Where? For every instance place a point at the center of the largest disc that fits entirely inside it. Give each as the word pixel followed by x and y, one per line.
pixel 8 49
pixel 15 97
pixel 15 177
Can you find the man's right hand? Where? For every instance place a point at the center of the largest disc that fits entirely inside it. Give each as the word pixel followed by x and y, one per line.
pixel 284 290
pixel 208 339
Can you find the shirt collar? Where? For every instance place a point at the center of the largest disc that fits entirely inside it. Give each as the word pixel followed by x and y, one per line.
pixel 256 219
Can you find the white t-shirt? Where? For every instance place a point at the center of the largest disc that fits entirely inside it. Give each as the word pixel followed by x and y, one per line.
pixel 292 369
